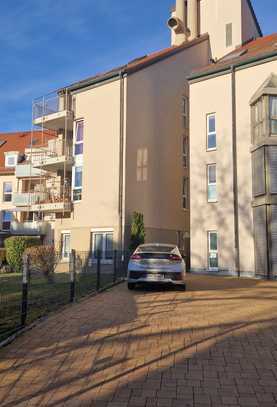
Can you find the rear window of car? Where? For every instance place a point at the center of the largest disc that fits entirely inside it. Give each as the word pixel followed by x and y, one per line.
pixel 156 249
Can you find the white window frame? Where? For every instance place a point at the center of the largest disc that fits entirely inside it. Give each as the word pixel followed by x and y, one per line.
pixel 211 184
pixel 212 251
pixel 104 232
pixel 211 133
pixel 80 189
pixel 64 233
pixel 9 155
pixel 76 142
pixel 7 194
pixel 185 195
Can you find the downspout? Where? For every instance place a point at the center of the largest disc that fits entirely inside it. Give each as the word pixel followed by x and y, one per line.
pixel 121 165
pixel 235 173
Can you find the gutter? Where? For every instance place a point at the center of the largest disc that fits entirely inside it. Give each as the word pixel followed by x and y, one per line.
pixel 228 69
pixel 121 211
pixel 235 173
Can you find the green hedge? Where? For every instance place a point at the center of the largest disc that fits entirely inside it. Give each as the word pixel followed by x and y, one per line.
pixel 15 247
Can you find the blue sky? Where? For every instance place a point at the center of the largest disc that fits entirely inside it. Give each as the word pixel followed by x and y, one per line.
pixel 46 44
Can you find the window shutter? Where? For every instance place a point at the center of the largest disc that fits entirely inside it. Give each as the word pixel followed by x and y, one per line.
pixel 272 158
pixel 258 163
pixel 260 237
pixel 274 240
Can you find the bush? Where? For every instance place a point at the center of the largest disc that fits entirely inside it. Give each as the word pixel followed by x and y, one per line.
pixel 43 259
pixel 137 231
pixel 15 247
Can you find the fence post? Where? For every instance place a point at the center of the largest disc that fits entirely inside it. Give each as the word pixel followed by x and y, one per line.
pixel 98 282
pixel 72 275
pixel 115 266
pixel 25 281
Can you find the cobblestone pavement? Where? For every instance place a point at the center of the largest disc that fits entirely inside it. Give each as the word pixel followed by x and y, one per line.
pixel 214 345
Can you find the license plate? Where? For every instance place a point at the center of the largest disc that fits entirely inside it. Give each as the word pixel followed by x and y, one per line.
pixel 154 278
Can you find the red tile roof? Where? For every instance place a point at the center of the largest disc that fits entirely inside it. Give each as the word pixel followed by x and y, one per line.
pixel 259 48
pixel 18 141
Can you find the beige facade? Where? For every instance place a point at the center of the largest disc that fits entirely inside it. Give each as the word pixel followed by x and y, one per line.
pixel 214 95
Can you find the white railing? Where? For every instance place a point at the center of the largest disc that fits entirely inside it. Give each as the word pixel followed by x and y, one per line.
pixel 27 170
pixel 26 198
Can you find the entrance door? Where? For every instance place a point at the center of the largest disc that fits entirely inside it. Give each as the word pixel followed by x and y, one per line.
pixel 212 250
pixel 66 246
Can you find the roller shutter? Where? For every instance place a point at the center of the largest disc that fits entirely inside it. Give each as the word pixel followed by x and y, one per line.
pixel 260 237
pixel 274 240
pixel 258 164
pixel 272 159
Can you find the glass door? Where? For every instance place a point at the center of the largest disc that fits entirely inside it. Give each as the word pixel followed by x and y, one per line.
pixel 102 242
pixel 66 246
pixel 212 250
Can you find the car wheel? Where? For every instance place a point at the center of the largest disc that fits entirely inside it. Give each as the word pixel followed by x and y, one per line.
pixel 131 286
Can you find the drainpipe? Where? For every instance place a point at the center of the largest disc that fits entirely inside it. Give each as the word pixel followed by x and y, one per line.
pixel 235 173
pixel 121 205
pixel 193 19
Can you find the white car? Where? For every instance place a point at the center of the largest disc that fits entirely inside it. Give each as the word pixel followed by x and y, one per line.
pixel 156 263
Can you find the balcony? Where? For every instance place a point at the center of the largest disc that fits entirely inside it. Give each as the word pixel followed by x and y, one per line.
pixel 47 201
pixel 29 228
pixel 28 171
pixel 53 111
pixel 57 157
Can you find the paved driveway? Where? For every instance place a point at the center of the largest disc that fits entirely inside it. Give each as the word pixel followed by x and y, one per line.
pixel 215 345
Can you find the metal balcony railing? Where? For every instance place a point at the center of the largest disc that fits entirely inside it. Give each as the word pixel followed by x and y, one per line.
pixel 50 104
pixel 29 228
pixel 46 196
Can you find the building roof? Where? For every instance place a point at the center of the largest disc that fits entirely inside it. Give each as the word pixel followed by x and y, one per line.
pixel 258 49
pixel 136 64
pixel 19 141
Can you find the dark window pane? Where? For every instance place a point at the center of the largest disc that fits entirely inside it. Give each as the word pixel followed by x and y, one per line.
pixel 78 149
pixel 80 131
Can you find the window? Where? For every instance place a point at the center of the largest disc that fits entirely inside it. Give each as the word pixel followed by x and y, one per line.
pixel 78 183
pixel 185 152
pixel 142 164
pixel 273 114
pixel 102 243
pixel 212 192
pixel 10 159
pixel 185 192
pixel 211 132
pixel 229 35
pixel 7 191
pixel 185 112
pixel 79 138
pixel 212 250
pixel 66 245
pixel 6 220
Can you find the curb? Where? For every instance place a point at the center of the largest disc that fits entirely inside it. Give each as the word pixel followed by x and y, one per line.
pixel 21 331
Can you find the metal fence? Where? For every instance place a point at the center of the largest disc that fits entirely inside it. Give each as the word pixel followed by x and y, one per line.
pixel 32 294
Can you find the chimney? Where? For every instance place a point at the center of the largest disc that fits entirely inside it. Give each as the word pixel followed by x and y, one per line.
pixel 177 23
pixel 193 18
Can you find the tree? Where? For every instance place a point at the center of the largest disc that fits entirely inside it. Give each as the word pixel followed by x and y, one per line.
pixel 137 231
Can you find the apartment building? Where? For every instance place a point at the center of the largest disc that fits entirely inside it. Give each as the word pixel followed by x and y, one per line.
pixel 233 158
pixel 123 137
pixel 13 158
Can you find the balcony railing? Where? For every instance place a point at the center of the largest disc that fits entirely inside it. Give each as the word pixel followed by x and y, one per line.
pixel 27 171
pixel 45 200
pixel 27 199
pixel 50 104
pixel 38 228
pixel 58 152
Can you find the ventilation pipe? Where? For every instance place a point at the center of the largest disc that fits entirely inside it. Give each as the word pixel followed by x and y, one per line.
pixel 177 23
pixel 193 18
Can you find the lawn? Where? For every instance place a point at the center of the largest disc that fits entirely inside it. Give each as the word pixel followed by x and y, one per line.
pixel 43 296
